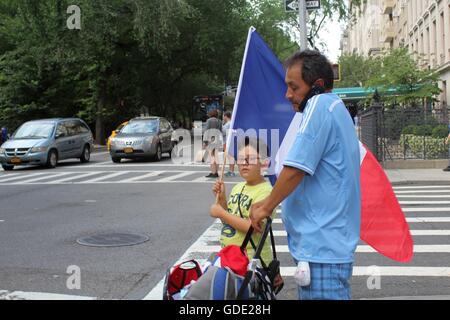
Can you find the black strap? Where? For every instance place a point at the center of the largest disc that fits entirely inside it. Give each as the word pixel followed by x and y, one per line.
pixel 248 237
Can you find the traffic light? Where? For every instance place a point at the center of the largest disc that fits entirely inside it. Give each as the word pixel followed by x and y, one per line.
pixel 337 72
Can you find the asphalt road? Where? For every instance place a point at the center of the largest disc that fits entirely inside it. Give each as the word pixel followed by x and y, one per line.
pixel 43 212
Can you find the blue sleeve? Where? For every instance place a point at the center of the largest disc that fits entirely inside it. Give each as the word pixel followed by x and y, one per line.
pixel 312 139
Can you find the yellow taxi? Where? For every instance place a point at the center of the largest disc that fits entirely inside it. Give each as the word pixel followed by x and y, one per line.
pixel 114 133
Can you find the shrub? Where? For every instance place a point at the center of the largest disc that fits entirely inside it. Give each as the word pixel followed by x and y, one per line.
pixel 440 131
pixel 435 148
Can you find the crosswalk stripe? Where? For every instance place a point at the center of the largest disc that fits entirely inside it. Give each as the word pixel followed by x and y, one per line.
pixel 387 271
pixel 283 233
pixel 420 197
pixel 420 187
pixel 416 219
pixel 422 191
pixel 20 176
pixel 142 177
pixel 426 219
pixel 49 176
pixel 106 177
pixel 425 202
pixel 174 177
pixel 359 249
pixel 75 177
pixel 416 209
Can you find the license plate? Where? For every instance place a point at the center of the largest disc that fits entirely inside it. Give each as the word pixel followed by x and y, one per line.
pixel 16 161
pixel 128 150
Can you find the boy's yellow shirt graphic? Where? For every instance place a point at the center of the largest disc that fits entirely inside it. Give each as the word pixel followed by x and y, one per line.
pixel 249 196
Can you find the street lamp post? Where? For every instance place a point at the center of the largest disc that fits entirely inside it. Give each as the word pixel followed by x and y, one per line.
pixel 302 24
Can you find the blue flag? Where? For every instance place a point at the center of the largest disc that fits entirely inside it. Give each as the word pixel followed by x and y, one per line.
pixel 260 99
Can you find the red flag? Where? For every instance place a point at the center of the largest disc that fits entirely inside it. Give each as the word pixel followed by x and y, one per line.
pixel 383 223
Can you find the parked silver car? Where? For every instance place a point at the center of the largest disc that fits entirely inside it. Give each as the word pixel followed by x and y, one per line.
pixel 142 138
pixel 44 142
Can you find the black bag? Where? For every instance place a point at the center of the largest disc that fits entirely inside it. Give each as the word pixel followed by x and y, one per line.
pixel 272 270
pixel 261 278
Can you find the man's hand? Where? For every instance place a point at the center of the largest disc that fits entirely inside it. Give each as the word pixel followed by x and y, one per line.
pixel 258 212
pixel 217 211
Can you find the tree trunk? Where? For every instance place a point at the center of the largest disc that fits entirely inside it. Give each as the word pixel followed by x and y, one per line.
pixel 99 124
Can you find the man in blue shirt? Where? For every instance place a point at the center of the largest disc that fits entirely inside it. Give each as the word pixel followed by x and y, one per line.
pixel 320 182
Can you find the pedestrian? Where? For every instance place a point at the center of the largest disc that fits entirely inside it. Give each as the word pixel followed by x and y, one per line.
pixel 234 213
pixel 3 135
pixel 447 142
pixel 226 131
pixel 213 141
pixel 319 184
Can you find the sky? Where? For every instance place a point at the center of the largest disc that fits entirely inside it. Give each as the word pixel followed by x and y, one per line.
pixel 331 34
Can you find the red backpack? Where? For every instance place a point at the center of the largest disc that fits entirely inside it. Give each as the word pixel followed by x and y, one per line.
pixel 180 276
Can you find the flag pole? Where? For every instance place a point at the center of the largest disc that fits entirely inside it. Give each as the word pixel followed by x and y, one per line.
pixel 238 93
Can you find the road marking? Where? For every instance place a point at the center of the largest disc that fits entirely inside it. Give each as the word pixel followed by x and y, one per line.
pixel 419 187
pixel 126 165
pixel 422 191
pixel 174 177
pixel 424 202
pixel 387 271
pixel 20 175
pixel 420 197
pixel 88 174
pixel 141 177
pixel 105 177
pixel 359 249
pixel 157 292
pixel 49 176
pixel 414 220
pixel 282 233
pixel 99 153
pixel 20 295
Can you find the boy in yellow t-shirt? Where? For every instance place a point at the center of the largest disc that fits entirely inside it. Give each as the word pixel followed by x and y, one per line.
pixel 235 213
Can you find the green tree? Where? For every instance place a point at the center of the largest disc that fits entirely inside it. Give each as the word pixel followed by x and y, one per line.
pixel 399 70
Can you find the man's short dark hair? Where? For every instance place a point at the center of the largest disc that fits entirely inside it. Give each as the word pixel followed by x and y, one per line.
pixel 314 66
pixel 227 114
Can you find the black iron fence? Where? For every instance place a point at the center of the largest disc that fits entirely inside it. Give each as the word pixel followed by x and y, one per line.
pixel 405 132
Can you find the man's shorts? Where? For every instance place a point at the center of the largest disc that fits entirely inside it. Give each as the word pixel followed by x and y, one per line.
pixel 328 282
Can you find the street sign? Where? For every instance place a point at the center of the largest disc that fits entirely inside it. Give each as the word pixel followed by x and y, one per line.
pixel 312 5
pixel 292 5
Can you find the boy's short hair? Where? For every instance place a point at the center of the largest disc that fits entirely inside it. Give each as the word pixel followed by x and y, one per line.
pixel 259 145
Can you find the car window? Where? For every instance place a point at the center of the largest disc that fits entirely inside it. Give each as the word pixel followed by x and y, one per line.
pixel 147 126
pixel 167 124
pixel 34 130
pixel 82 128
pixel 61 130
pixel 72 128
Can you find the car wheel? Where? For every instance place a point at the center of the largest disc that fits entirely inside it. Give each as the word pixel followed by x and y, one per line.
pixel 86 155
pixel 158 155
pixel 52 159
pixel 7 167
pixel 116 160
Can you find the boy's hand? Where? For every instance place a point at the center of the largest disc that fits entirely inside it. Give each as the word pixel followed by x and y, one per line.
pixel 219 188
pixel 216 211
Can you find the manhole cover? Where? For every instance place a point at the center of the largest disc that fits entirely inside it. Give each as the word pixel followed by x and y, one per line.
pixel 113 240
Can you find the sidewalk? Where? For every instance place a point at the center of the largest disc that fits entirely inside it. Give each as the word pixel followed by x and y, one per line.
pixel 406 176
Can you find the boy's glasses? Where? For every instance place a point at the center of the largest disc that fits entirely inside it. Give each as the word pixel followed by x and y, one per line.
pixel 248 160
